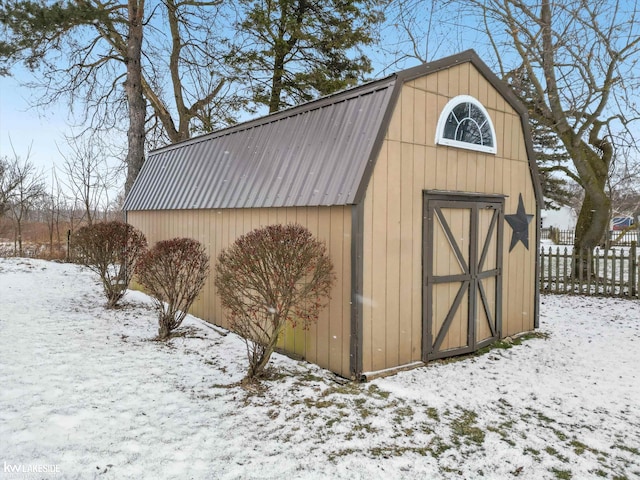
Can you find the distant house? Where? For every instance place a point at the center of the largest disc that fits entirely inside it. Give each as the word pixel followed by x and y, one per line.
pixel 565 218
pixel 422 184
pixel 621 223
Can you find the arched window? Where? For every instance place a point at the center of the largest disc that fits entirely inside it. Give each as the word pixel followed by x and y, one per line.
pixel 465 123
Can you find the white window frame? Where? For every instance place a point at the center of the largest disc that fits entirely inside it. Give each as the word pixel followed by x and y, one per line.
pixel 448 108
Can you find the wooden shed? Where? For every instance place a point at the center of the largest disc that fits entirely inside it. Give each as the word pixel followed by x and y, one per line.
pixel 423 186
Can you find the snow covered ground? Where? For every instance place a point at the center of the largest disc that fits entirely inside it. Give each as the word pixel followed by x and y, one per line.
pixel 86 393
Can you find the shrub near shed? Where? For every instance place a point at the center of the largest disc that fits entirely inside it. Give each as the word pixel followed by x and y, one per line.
pixel 111 249
pixel 173 272
pixel 269 277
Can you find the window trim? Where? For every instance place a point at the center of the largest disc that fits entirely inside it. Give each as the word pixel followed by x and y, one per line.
pixel 442 120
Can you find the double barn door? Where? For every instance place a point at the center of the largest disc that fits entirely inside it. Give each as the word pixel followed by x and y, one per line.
pixel 462 273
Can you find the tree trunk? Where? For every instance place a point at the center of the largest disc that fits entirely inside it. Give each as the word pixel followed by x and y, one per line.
pixel 593 219
pixel 135 97
pixel 163 331
pixel 276 84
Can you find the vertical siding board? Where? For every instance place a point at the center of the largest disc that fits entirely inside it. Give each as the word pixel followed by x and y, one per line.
pixel 367 272
pixel 394 131
pixel 452 169
pixel 432 113
pixel 300 334
pixel 518 139
pixel 501 135
pixel 480 172
pixel 322 223
pixel 464 162
pixel 424 162
pixel 482 87
pixel 408 171
pixel 492 98
pixel 420 118
pixel 392 285
pixel 475 84
pixel 347 236
pixel 453 82
pixel 335 243
pixel 490 174
pixel 432 83
pixel 463 74
pixel 407 114
pixel 379 261
pixel 213 227
pixel 420 83
pixel 443 83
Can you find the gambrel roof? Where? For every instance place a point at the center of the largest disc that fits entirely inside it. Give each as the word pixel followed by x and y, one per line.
pixel 320 153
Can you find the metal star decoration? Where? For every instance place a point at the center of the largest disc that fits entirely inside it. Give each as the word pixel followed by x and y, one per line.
pixel 519 222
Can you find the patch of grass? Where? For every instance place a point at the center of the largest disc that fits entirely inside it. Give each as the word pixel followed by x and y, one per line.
pixel 599 473
pixel 562 474
pixel 350 388
pixel 360 406
pixel 560 434
pixel 437 447
pixel 309 377
pixel 339 415
pixel 376 392
pixel 310 402
pixel 540 416
pixel 578 447
pixel 501 344
pixel 464 426
pixel 396 451
pixel 554 453
pixel 451 470
pixel 332 457
pixel 364 427
pixel 625 448
pixel 501 430
pixel 497 345
pixel 401 412
pixel 529 336
pixel 533 452
pixel 432 413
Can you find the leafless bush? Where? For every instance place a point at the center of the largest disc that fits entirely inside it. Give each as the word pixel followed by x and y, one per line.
pixel 269 277
pixel 111 249
pixel 173 272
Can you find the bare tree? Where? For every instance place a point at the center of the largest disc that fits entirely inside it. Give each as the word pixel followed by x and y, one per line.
pixel 624 189
pixel 28 192
pixel 8 184
pixel 421 30
pixel 53 204
pixel 88 175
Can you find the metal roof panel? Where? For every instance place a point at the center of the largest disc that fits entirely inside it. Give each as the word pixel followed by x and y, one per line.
pixel 310 155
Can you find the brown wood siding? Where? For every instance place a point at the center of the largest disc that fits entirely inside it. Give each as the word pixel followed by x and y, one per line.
pixel 327 342
pixel 411 162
